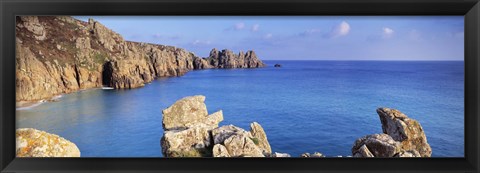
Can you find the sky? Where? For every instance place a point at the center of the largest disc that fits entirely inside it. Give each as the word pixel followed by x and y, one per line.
pixel 302 37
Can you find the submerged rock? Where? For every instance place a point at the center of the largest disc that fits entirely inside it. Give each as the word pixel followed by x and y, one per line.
pixel 277 65
pixel 35 143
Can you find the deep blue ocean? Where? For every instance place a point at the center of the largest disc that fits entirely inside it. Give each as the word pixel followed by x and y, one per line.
pixel 304 106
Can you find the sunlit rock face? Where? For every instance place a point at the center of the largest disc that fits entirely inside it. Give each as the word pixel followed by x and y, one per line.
pixel 59 54
pixel 191 132
pixel 35 143
pixel 402 137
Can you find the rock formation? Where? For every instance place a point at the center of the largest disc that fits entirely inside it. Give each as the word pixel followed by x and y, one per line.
pixel 36 143
pixel 191 132
pixel 227 59
pixel 377 145
pixel 407 131
pixel 277 65
pixel 57 55
pixel 402 137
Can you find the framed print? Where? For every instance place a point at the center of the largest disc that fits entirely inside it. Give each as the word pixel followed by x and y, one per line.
pixel 239 86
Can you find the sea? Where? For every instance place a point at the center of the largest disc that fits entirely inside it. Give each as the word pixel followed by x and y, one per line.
pixel 303 106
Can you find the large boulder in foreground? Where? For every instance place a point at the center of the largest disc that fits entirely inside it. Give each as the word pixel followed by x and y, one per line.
pixel 405 130
pixel 191 132
pixel 35 143
pixel 377 145
pixel 260 136
pixel 402 137
pixel 186 112
pixel 191 142
pixel 188 128
pixel 241 143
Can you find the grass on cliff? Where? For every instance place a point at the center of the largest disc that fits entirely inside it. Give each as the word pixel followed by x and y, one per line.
pixel 255 140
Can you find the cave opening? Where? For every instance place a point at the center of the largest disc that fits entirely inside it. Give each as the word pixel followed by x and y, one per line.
pixel 107 74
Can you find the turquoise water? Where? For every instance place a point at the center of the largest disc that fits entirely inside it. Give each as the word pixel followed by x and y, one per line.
pixel 305 106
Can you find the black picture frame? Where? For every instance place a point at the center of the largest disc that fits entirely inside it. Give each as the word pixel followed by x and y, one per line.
pixel 11 8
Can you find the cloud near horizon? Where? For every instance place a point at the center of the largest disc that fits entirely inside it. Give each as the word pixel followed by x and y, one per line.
pixel 342 29
pixel 387 32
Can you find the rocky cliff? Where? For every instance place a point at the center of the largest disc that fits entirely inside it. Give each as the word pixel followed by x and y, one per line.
pixel 56 55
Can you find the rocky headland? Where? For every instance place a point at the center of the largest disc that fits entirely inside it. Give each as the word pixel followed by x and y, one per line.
pixel 190 132
pixel 59 54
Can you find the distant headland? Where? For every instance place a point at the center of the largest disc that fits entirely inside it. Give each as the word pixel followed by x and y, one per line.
pixel 57 55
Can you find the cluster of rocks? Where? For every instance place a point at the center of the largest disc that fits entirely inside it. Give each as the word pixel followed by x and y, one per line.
pixel 35 143
pixel 401 137
pixel 190 132
pixel 59 54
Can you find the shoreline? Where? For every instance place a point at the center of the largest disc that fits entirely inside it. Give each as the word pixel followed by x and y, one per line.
pixel 25 105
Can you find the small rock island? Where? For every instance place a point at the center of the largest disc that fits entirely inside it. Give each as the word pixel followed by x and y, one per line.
pixel 277 65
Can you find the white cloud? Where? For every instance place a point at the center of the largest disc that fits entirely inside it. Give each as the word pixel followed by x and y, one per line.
pixel 239 26
pixel 255 27
pixel 268 36
pixel 387 32
pixel 339 30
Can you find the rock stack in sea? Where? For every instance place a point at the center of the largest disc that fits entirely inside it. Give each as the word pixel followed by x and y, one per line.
pixel 35 143
pixel 401 137
pixel 190 132
pixel 60 54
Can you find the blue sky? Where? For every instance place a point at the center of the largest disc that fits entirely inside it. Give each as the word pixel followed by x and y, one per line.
pixel 302 37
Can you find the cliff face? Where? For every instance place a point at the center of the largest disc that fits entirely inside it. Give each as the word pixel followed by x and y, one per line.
pixel 56 55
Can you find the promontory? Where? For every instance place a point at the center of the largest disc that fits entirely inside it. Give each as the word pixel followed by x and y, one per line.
pixel 60 54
